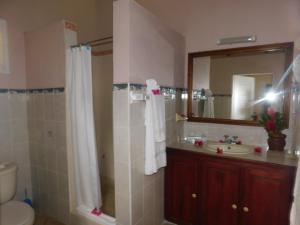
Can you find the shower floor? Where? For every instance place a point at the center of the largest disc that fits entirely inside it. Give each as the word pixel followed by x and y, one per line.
pixel 108 197
pixel 108 204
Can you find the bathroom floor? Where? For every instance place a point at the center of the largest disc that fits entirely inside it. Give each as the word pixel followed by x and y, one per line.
pixel 42 220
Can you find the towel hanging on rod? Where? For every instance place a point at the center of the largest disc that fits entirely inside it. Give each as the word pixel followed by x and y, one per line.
pixel 155 122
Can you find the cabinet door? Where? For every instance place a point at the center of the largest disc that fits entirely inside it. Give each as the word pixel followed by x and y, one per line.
pixel 181 197
pixel 220 193
pixel 267 196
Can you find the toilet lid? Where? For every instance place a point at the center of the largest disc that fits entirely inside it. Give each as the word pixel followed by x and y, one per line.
pixel 16 213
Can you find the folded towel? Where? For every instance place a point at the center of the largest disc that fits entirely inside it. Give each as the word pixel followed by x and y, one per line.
pixel 155 122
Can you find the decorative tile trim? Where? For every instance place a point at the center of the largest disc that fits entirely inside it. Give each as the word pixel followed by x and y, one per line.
pixel 31 91
pixel 136 87
pixel 46 90
pixel 122 86
pixel 169 92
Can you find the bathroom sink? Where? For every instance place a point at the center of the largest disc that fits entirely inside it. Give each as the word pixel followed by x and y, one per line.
pixel 229 148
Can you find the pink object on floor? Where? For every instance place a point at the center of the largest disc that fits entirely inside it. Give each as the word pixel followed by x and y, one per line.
pixel 156 92
pixel 96 212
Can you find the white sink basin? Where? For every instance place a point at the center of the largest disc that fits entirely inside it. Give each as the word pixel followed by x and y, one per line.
pixel 230 149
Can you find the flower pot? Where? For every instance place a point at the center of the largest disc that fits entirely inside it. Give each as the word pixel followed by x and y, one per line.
pixel 276 143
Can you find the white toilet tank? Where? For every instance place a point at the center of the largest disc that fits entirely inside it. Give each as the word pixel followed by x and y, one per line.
pixel 8 181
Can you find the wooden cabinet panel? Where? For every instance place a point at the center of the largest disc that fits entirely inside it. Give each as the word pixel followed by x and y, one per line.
pixel 220 193
pixel 210 190
pixel 181 196
pixel 266 196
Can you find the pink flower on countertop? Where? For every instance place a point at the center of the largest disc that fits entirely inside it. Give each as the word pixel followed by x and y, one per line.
pixel 270 125
pixel 271 112
pixel 198 143
pixel 156 92
pixel 219 151
pixel 258 150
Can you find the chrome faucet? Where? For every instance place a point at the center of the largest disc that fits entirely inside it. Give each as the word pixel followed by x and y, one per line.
pixel 230 139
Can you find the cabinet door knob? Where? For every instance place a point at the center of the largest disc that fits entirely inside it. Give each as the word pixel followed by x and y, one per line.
pixel 234 206
pixel 194 195
pixel 245 209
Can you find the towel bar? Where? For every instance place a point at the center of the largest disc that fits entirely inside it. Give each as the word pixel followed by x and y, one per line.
pixel 139 96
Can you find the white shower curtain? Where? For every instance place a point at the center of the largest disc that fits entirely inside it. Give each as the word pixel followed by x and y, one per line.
pixel 82 129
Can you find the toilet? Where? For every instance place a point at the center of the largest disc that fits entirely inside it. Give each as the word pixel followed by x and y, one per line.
pixel 12 212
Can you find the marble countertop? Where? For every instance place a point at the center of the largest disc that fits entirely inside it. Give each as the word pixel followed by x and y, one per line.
pixel 273 157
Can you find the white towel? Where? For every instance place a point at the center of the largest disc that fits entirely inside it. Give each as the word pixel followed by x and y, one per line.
pixel 295 212
pixel 209 111
pixel 155 122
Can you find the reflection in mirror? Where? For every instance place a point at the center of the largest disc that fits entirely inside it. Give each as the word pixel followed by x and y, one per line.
pixel 237 86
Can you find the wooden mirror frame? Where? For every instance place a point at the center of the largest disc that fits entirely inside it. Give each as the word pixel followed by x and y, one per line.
pixel 287 47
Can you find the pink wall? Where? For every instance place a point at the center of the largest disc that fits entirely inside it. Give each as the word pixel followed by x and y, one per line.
pixel 45 56
pixel 271 21
pixel 121 36
pixel 147 46
pixel 203 22
pixel 17 77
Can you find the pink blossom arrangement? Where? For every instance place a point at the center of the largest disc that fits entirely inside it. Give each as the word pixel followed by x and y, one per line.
pixel 273 122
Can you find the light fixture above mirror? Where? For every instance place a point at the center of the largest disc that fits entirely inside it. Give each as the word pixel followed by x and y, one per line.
pixel 236 40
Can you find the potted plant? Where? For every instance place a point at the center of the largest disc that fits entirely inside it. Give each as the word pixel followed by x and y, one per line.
pixel 274 124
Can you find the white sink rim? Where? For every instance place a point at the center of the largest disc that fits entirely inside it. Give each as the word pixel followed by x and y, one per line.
pixel 230 149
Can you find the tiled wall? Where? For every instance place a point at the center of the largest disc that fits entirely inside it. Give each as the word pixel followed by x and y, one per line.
pixel 14 137
pixel 247 134
pixel 139 198
pixel 121 140
pixel 47 144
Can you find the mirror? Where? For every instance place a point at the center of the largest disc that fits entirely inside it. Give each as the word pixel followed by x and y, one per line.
pixel 233 86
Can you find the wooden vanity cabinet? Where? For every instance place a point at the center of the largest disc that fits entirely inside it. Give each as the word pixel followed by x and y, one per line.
pixel 202 189
pixel 220 193
pixel 181 195
pixel 266 195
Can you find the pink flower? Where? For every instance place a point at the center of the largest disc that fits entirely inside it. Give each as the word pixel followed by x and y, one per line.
pixel 219 151
pixel 270 125
pixel 271 112
pixel 156 92
pixel 198 143
pixel 258 149
pixel 96 212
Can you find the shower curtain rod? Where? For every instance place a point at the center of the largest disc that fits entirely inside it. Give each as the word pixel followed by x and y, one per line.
pixel 95 42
